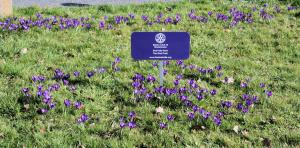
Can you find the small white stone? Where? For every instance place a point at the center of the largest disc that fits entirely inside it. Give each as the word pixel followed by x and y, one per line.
pixel 159 110
pixel 236 129
pixel 24 50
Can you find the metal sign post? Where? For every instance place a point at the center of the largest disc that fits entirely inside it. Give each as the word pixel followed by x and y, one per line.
pixel 161 73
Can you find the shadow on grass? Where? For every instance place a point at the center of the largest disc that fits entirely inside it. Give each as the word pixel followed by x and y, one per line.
pixel 79 82
pixel 207 79
pixel 121 100
pixel 107 134
pixel 74 5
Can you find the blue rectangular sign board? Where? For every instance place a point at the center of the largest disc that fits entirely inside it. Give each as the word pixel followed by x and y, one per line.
pixel 160 45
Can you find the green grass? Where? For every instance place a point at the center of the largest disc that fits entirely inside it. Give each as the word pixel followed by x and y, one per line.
pixel 265 51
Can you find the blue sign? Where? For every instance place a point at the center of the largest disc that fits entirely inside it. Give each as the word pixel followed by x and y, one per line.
pixel 160 45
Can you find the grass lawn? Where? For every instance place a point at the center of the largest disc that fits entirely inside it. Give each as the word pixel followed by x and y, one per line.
pixel 264 51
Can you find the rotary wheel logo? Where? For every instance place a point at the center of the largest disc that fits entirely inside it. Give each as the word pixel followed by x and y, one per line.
pixel 160 38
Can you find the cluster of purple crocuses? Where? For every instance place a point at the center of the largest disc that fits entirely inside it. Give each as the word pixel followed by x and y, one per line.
pixel 189 92
pixel 129 121
pixel 44 93
pixel 62 23
pixel 163 125
pixel 160 20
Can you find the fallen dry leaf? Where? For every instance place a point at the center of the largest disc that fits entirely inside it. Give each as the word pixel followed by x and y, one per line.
pixel 42 130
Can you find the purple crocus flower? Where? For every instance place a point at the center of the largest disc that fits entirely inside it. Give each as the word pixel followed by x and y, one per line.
pixel 168 20
pixel 76 73
pixel 219 67
pixel 191 115
pixel 66 76
pixel 200 97
pixel 206 114
pixel 226 104
pixel 52 105
pixel 42 111
pixel 41 78
pixel 83 118
pixel 289 8
pixel 145 18
pixel 90 74
pixel 154 64
pixel 122 124
pixel 67 102
pixel 131 15
pixel 222 17
pixel 170 117
pixel 183 97
pixel 277 9
pixel 66 82
pixel 176 82
pixel 254 98
pixel 132 114
pixel 26 91
pixel 192 67
pixel 179 62
pixel 178 77
pixel 150 78
pixel 131 124
pixel 245 110
pixel 188 103
pixel 165 72
pixel 191 81
pixel 239 106
pixel 249 102
pixel 269 93
pixel 101 70
pixel 243 84
pixel 182 90
pixel 262 85
pixel 195 108
pixel 78 105
pixel 58 74
pixel 39 91
pixel 38 78
pixel 265 15
pixel 220 114
pixel 163 125
pixel 245 96
pixel 136 84
pixel 209 13
pixel 72 88
pixel 55 87
pixel 213 92
pixel 166 63
pixel 217 120
pixel 109 27
pixel 117 60
pixel 149 96
pixel 47 97
pixel 101 24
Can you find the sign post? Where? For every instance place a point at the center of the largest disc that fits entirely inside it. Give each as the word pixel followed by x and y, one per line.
pixel 160 46
pixel 161 73
pixel 5 7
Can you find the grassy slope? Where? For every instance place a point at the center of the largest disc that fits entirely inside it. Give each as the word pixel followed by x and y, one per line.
pixel 264 51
